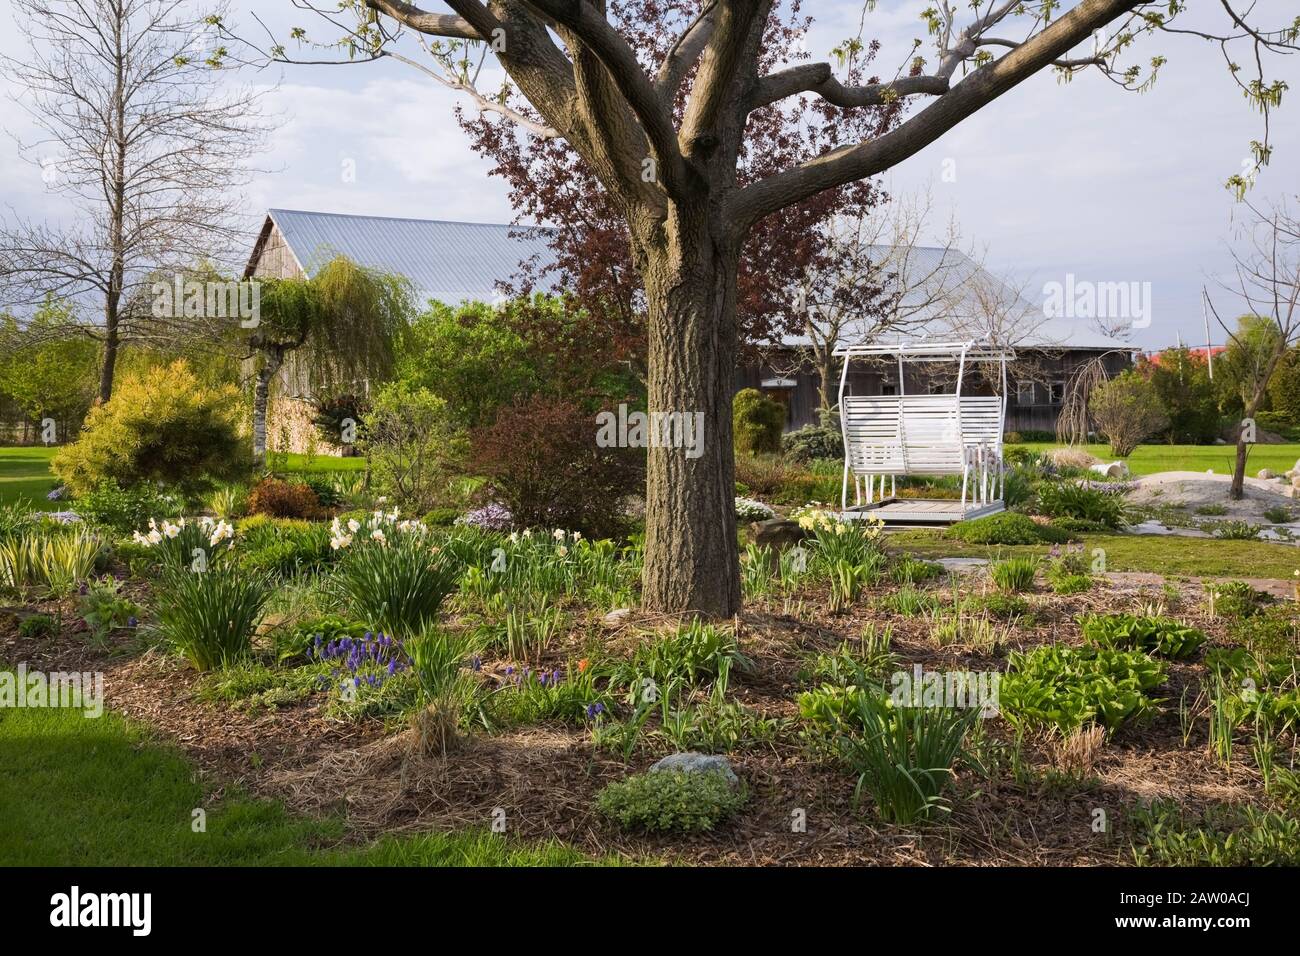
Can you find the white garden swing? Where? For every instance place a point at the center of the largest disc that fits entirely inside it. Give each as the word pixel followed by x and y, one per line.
pixel 886 436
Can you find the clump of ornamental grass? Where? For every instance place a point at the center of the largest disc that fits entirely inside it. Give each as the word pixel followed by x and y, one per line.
pixel 444 665
pixel 52 565
pixel 905 759
pixel 1014 574
pixel 210 616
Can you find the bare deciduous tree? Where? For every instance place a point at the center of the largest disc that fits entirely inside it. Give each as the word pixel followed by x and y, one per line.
pixel 1266 282
pixel 147 147
pixel 676 181
pixel 879 278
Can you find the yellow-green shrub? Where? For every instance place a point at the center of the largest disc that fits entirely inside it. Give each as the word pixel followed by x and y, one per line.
pixel 164 426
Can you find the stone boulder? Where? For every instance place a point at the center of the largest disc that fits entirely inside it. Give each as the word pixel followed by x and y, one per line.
pixel 779 533
pixel 697 763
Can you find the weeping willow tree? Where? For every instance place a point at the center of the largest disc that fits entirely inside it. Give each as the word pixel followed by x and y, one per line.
pixel 1074 424
pixel 340 324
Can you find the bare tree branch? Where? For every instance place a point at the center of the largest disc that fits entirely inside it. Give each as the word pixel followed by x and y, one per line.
pixel 685 53
pixel 819 78
pixel 144 143
pixel 976 91
pixel 430 24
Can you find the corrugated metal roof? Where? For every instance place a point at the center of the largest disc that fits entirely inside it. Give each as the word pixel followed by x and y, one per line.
pixel 959 313
pixel 447 261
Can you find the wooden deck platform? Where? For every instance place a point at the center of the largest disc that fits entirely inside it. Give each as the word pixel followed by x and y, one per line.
pixel 921 512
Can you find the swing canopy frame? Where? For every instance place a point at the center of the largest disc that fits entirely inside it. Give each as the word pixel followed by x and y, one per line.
pixel 931 435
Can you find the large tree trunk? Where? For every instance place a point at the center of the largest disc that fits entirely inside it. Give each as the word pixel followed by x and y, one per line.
pixel 261 394
pixel 691 560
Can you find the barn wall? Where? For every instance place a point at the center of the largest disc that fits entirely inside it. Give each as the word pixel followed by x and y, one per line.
pixel 289 413
pixel 276 261
pixel 289 417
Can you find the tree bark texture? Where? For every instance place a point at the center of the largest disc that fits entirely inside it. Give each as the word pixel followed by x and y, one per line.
pixel 691 563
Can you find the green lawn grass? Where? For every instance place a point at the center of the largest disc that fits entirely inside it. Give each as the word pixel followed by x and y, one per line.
pixel 1170 556
pixel 77 791
pixel 1149 459
pixel 25 473
pixel 296 462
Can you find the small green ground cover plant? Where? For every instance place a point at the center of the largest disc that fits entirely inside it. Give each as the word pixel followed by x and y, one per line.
pixel 672 801
pixel 1005 607
pixel 1009 527
pixel 38 625
pixel 105 609
pixel 1165 834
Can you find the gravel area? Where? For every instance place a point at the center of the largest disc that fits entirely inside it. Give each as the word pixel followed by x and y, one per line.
pixel 1193 489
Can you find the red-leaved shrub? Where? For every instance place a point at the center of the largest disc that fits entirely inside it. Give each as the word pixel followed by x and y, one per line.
pixel 280 499
pixel 541 461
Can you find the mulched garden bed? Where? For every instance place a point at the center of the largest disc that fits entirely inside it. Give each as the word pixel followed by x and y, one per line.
pixel 545 778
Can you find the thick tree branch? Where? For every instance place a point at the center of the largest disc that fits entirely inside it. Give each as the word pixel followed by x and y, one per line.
pixel 590 27
pixel 617 144
pixel 430 24
pixel 819 78
pixel 685 53
pixel 980 88
pixel 737 30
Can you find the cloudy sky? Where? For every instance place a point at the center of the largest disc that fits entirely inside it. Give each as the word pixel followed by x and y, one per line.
pixel 1083 179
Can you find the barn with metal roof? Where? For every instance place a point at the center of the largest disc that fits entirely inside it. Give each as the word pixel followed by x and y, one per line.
pixel 451 262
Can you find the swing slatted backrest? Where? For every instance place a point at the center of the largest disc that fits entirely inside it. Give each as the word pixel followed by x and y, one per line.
pixel 873 441
pixel 981 420
pixel 932 434
pixel 903 435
